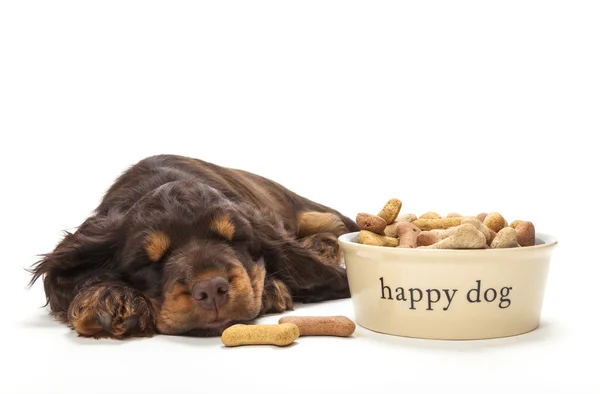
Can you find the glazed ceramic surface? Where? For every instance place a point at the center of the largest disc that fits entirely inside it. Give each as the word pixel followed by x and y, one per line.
pixel 448 294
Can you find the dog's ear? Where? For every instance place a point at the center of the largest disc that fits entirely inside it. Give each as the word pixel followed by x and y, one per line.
pixel 298 267
pixel 78 254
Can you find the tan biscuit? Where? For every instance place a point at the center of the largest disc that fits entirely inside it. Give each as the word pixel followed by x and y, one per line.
pixel 466 236
pixel 391 230
pixel 506 238
pixel 432 224
pixel 391 210
pixel 430 215
pixel 407 217
pixel 262 334
pixel 480 226
pixel 339 326
pixel 495 221
pixel 368 238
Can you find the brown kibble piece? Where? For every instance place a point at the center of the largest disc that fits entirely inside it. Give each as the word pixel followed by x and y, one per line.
pixel 339 326
pixel 426 238
pixel 506 238
pixel 492 236
pixel 370 222
pixel 262 334
pixel 515 223
pixel 525 234
pixel 495 221
pixel 368 238
pixel 407 235
pixel 482 216
pixel 432 224
pixel 391 210
pixel 430 215
pixel 466 236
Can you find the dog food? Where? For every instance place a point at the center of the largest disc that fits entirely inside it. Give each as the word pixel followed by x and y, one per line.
pixel 375 224
pixel 506 238
pixel 261 334
pixel 495 221
pixel 369 238
pixel 391 210
pixel 407 235
pixel 525 233
pixel 466 236
pixel 485 230
pixel 339 326
pixel 433 224
pixel 430 215
pixel 431 231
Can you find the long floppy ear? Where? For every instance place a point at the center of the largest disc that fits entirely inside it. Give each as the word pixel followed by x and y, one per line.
pixel 77 256
pixel 301 269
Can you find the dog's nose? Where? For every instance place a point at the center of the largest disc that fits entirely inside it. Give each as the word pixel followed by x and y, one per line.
pixel 211 292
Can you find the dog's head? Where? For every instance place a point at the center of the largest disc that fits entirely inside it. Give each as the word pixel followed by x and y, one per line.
pixel 195 255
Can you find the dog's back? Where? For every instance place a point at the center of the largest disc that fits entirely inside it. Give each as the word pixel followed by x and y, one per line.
pixel 237 185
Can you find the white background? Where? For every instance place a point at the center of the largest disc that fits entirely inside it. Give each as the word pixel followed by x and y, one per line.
pixel 449 106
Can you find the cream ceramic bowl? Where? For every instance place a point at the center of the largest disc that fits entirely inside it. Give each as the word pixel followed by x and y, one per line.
pixel 447 294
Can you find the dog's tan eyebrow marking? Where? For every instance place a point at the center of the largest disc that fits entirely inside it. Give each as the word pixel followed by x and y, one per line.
pixel 157 244
pixel 223 226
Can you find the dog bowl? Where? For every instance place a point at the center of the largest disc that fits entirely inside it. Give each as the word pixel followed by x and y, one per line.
pixel 447 294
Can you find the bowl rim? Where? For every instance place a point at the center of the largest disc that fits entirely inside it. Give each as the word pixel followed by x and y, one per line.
pixel 548 240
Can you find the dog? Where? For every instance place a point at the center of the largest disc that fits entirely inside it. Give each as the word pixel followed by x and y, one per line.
pixel 181 246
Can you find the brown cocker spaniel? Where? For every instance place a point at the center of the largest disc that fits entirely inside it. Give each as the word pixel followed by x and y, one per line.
pixel 184 247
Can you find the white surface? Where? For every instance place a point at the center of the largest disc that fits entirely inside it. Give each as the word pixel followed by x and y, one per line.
pixel 449 106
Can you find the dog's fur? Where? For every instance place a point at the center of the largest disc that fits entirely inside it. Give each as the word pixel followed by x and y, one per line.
pixel 171 221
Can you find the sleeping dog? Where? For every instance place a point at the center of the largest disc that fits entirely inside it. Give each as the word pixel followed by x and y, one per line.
pixel 180 246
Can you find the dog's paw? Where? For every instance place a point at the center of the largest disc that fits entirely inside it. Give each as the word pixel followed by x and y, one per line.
pixel 276 297
pixel 111 311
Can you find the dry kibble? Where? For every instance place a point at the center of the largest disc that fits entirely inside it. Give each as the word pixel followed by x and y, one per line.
pixel 515 223
pixel 495 221
pixel 506 238
pixel 368 238
pixel 391 210
pixel 339 326
pixel 391 230
pixel 444 233
pixel 407 217
pixel 525 234
pixel 432 224
pixel 430 215
pixel 426 238
pixel 466 236
pixel 480 226
pixel 492 236
pixel 407 235
pixel 264 334
pixel 370 222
